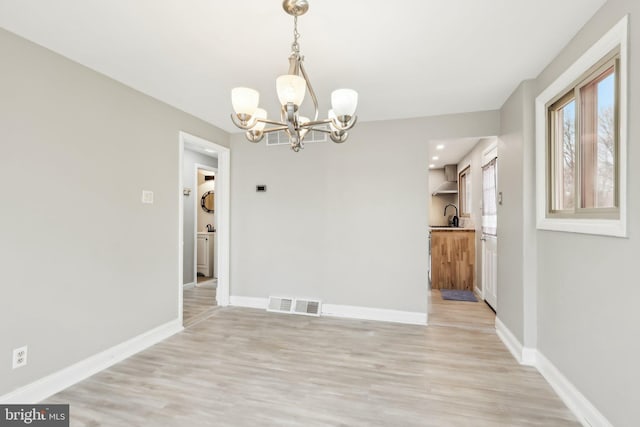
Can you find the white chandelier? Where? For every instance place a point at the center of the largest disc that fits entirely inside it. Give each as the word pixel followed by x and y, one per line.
pixel 291 89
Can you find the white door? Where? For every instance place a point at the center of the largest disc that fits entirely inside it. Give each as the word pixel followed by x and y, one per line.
pixel 202 256
pixel 490 270
pixel 490 228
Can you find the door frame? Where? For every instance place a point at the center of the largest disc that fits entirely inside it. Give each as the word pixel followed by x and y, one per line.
pixel 195 218
pixel 223 220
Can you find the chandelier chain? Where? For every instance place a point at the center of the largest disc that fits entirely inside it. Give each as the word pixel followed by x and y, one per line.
pixel 295 46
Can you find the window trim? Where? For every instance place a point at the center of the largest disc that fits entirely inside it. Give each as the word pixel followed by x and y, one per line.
pixel 615 38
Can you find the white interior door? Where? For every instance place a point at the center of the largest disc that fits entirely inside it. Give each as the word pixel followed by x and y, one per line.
pixel 490 227
pixel 490 270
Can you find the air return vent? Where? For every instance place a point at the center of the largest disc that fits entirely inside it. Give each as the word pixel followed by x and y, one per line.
pixel 281 138
pixel 294 306
pixel 280 304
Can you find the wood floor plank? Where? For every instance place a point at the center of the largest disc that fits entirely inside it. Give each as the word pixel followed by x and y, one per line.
pixel 198 303
pixel 244 367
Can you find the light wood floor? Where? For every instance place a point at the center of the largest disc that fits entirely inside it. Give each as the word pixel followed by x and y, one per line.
pixel 461 314
pixel 198 304
pixel 201 279
pixel 244 367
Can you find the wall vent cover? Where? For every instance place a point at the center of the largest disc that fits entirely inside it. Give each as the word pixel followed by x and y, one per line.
pixel 281 137
pixel 306 307
pixel 280 304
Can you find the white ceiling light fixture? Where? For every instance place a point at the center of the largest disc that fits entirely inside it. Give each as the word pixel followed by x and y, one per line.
pixel 439 146
pixel 291 89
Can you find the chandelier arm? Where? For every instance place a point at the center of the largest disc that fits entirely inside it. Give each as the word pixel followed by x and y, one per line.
pixel 275 129
pixel 320 130
pixel 315 123
pixel 311 92
pixel 272 122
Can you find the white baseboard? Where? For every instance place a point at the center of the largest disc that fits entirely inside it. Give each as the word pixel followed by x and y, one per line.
pixel 582 408
pixel 346 311
pixel 51 384
pixel 189 285
pixel 529 356
pixel 524 355
pixel 249 302
pixel 379 314
pixel 587 414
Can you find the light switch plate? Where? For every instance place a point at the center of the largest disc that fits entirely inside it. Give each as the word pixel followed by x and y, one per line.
pixel 147 196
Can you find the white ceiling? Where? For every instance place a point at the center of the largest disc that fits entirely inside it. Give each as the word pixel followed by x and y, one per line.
pixel 192 146
pixel 449 151
pixel 406 59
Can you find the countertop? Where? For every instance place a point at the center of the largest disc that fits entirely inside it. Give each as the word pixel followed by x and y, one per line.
pixel 451 229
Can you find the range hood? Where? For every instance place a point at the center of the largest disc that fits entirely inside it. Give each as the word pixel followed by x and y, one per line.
pixel 450 186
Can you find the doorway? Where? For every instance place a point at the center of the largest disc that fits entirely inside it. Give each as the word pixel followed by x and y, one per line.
pixel 205 225
pixel 457 237
pixel 199 154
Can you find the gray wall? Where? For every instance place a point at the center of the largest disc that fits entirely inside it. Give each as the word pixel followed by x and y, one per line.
pixel 190 159
pixel 84 265
pixel 588 289
pixel 510 213
pixel 344 223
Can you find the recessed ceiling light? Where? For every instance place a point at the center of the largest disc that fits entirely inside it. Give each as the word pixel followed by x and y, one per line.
pixel 432 166
pixel 439 146
pixel 435 158
pixel 209 150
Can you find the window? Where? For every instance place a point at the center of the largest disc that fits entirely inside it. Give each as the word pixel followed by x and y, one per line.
pixel 581 142
pixel 464 192
pixel 489 198
pixel 583 146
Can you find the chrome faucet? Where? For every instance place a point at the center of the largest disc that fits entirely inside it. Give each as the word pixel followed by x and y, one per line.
pixel 455 221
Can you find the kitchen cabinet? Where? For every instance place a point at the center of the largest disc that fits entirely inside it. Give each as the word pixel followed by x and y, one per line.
pixel 453 255
pixel 205 259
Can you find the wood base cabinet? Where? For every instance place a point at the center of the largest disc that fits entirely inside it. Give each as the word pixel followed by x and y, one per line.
pixel 453 255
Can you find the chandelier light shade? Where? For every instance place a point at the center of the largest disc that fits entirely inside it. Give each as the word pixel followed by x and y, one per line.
pixel 245 100
pixel 291 89
pixel 344 102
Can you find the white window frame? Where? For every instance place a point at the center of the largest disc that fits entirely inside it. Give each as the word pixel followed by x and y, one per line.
pixel 616 37
pixel 466 208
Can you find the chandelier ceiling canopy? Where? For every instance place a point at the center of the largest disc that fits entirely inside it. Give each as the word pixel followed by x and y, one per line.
pixel 291 89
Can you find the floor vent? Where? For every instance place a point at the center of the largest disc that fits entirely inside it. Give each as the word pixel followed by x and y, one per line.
pixel 294 306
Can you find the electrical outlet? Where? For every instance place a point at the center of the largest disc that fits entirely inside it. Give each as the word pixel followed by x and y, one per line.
pixel 19 357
